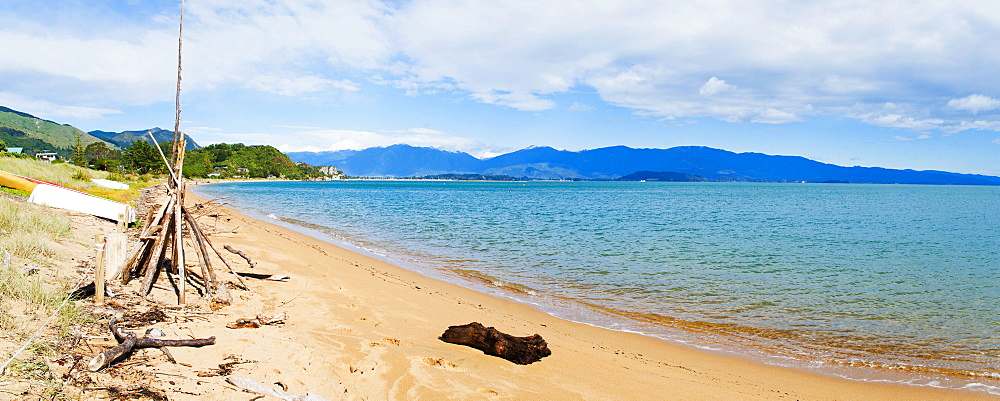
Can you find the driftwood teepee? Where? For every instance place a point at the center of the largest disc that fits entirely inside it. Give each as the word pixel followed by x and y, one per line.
pixel 164 230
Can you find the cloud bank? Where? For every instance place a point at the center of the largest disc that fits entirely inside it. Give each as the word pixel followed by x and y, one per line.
pixel 918 65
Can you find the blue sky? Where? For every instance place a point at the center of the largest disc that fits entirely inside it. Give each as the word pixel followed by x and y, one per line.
pixel 899 84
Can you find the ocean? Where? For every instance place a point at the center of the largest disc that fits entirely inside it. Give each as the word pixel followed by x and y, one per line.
pixel 870 282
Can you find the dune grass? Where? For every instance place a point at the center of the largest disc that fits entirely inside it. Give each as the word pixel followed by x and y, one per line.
pixel 26 301
pixel 63 174
pixel 28 230
pixel 28 233
pixel 75 177
pixel 26 298
pixel 29 237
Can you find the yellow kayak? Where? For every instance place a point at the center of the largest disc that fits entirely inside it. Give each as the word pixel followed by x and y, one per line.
pixel 17 182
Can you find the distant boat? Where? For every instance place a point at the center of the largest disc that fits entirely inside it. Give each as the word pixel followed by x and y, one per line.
pixel 49 194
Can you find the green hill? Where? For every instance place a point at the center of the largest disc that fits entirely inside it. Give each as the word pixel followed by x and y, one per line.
pixel 18 129
pixel 239 160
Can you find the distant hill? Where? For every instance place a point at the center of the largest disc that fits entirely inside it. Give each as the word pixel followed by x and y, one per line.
pixel 662 176
pixel 394 161
pixel 620 161
pixel 239 160
pixel 19 129
pixel 125 138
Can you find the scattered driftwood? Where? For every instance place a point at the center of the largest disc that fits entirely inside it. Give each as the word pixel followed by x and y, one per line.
pixel 271 277
pixel 520 350
pixel 242 255
pixel 258 321
pixel 254 386
pixel 154 332
pixel 129 341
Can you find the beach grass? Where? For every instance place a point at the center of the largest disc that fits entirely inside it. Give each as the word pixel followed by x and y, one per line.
pixel 28 230
pixel 29 293
pixel 34 284
pixel 75 177
pixel 63 174
pixel 26 298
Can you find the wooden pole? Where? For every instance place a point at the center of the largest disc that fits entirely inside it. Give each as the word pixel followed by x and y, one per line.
pixel 153 220
pixel 177 98
pixel 152 267
pixel 99 272
pixel 200 240
pixel 179 246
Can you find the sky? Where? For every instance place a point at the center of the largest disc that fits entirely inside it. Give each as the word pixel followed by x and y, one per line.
pixel 898 84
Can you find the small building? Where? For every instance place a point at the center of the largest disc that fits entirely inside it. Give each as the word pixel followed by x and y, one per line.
pixel 47 156
pixel 15 150
pixel 242 170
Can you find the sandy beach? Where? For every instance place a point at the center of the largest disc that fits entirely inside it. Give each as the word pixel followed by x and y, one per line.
pixel 358 328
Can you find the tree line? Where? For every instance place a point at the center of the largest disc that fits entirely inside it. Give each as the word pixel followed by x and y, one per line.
pixel 219 160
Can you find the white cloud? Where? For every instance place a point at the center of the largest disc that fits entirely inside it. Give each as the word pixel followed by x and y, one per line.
pixel 791 59
pixel 715 86
pixel 838 85
pixel 519 101
pixel 976 125
pixel 271 46
pixel 819 57
pixel 916 138
pixel 900 121
pixel 419 131
pixel 312 139
pixel 47 110
pixel 774 116
pixel 295 86
pixel 151 56
pixel 577 106
pixel 975 103
pixel 997 141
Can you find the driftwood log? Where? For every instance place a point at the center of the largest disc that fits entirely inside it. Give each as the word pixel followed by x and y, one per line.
pixel 129 341
pixel 520 350
pixel 242 255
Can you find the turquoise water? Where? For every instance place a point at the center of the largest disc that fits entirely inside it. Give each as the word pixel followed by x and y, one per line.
pixel 894 277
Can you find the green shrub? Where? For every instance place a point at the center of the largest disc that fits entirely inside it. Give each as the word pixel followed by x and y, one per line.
pixel 80 176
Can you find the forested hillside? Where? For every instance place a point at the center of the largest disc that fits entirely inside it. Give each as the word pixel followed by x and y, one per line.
pixel 229 160
pixel 22 130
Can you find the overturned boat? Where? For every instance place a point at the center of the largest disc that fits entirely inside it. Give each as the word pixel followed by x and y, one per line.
pixel 49 194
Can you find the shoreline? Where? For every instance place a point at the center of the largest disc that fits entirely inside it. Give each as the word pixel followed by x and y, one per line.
pixel 415 309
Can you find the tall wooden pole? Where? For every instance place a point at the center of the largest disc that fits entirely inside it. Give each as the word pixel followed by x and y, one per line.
pixel 178 164
pixel 177 97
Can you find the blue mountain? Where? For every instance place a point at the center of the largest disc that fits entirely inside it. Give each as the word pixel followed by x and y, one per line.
pixel 125 138
pixel 618 161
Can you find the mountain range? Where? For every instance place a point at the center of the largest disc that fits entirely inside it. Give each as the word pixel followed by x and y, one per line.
pixel 619 161
pixel 125 138
pixel 23 130
pixel 684 163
